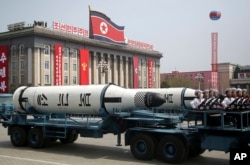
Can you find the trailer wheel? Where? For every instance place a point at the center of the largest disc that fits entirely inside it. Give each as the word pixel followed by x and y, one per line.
pixel 172 149
pixel 195 151
pixel 70 138
pixel 35 138
pixel 142 146
pixel 18 136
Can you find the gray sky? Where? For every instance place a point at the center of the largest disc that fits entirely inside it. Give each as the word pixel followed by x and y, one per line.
pixel 180 29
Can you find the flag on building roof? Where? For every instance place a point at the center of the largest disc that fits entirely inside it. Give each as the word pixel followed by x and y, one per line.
pixel 102 28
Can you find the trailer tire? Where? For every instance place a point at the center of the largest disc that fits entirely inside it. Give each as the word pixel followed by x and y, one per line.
pixel 18 136
pixel 142 146
pixel 35 138
pixel 71 137
pixel 196 151
pixel 172 149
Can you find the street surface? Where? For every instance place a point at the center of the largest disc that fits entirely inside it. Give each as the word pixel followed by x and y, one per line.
pixel 88 151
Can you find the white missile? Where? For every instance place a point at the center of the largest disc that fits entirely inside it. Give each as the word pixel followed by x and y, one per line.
pixel 84 99
pixel 176 98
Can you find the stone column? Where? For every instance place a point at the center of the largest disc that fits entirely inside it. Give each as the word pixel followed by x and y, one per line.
pixel 102 71
pixel 126 72
pixel 109 71
pixel 121 73
pixel 95 70
pixel 115 70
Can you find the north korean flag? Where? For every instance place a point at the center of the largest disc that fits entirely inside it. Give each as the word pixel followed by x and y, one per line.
pixel 102 28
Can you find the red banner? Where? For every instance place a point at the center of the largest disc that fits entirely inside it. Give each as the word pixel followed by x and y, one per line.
pixel 136 76
pixel 84 67
pixel 4 69
pixel 57 64
pixel 150 73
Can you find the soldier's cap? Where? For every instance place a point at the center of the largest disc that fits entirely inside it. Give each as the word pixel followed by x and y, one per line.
pixel 238 90
pixel 211 90
pixel 205 91
pixel 197 91
pixel 244 90
pixel 228 90
pixel 233 89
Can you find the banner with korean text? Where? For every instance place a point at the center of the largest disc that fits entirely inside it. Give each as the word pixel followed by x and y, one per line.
pixel 150 73
pixel 57 64
pixel 136 75
pixel 84 67
pixel 4 69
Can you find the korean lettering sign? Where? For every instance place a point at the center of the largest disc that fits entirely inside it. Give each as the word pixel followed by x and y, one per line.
pixel 4 69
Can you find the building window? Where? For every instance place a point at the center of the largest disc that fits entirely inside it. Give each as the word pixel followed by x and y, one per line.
pixel 22 79
pixel 47 49
pixel 13 80
pixel 47 79
pixel 13 50
pixel 66 80
pixel 74 67
pixel 21 50
pixel 66 52
pixel 74 53
pixel 21 65
pixel 46 65
pixel 66 68
pixel 74 80
pixel 13 66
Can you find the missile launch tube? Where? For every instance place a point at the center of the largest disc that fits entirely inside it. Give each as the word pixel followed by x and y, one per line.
pixel 84 99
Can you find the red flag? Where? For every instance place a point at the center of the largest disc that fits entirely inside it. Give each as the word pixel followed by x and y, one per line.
pixel 57 64
pixel 4 69
pixel 136 76
pixel 84 67
pixel 102 28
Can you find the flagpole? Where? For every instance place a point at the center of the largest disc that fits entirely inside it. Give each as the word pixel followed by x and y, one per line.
pixel 90 24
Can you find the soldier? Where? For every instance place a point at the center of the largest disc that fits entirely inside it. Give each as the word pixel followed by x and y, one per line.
pixel 245 99
pixel 197 100
pixel 235 104
pixel 211 99
pixel 205 99
pixel 228 99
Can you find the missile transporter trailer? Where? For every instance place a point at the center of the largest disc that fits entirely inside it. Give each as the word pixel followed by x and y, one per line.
pixel 173 133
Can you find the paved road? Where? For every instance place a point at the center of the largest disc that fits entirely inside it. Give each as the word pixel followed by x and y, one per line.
pixel 88 151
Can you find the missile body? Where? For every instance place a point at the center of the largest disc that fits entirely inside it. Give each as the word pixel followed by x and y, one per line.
pixel 176 98
pixel 84 99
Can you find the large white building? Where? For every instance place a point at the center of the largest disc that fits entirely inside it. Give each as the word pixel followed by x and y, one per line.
pixel 37 55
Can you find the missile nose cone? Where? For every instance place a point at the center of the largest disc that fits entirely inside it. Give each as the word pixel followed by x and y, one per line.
pixel 154 99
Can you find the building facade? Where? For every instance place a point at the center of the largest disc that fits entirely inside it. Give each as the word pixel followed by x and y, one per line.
pixel 198 79
pixel 37 54
pixel 229 75
pixel 241 77
pixel 225 74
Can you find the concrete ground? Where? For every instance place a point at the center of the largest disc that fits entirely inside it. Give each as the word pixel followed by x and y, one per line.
pixel 88 151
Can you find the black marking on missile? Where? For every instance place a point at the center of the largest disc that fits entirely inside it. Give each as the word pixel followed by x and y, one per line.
pixel 42 100
pixel 63 101
pixel 169 98
pixel 139 99
pixel 112 99
pixel 84 99
pixel 103 111
pixel 188 98
pixel 21 99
